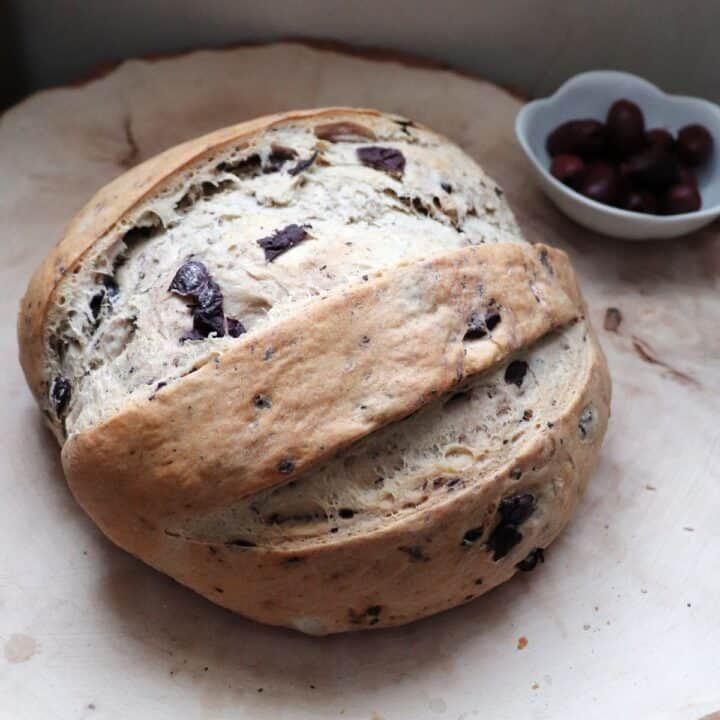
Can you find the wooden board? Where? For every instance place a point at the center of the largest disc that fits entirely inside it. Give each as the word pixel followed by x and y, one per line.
pixel 621 620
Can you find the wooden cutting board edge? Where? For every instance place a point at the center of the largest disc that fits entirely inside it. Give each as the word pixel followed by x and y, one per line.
pixel 378 54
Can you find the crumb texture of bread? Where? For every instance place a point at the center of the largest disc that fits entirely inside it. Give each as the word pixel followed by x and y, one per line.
pixel 314 352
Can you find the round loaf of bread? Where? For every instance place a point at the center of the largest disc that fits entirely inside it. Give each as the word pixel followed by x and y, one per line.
pixel 308 367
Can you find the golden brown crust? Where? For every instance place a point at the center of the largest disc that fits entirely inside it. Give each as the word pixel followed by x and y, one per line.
pixel 414 566
pixel 108 207
pixel 367 355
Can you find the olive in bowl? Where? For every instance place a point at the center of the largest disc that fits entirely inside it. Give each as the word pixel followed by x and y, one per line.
pixel 637 180
pixel 617 163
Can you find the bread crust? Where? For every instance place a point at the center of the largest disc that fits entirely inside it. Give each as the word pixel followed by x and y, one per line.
pixel 146 471
pixel 367 355
pixel 411 567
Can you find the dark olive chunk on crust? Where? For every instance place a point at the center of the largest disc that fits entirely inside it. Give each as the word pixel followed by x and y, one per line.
pixel 385 159
pixel 60 393
pixel 192 280
pixel 282 240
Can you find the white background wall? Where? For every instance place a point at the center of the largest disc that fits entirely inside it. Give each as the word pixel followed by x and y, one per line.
pixel 533 45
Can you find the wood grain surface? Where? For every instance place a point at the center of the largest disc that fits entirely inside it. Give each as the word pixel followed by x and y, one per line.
pixel 620 620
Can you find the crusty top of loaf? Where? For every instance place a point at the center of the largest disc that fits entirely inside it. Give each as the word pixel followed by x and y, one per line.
pixel 213 199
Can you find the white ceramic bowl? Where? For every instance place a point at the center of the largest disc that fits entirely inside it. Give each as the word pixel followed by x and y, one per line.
pixel 589 95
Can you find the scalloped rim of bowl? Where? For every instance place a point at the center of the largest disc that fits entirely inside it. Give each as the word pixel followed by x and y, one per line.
pixel 523 117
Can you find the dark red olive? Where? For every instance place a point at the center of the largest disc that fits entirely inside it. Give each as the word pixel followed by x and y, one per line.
pixel 641 201
pixel 602 183
pixel 686 176
pixel 568 169
pixel 681 199
pixel 653 168
pixel 661 137
pixel 625 128
pixel 577 137
pixel 694 144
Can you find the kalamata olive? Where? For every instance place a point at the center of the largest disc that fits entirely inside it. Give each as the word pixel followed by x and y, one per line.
pixel 625 128
pixel 641 201
pixel 602 183
pixel 568 169
pixel 653 168
pixel 681 199
pixel 661 137
pixel 694 144
pixel 686 176
pixel 577 137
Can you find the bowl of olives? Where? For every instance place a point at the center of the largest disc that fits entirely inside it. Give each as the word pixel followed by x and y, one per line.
pixel 621 157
